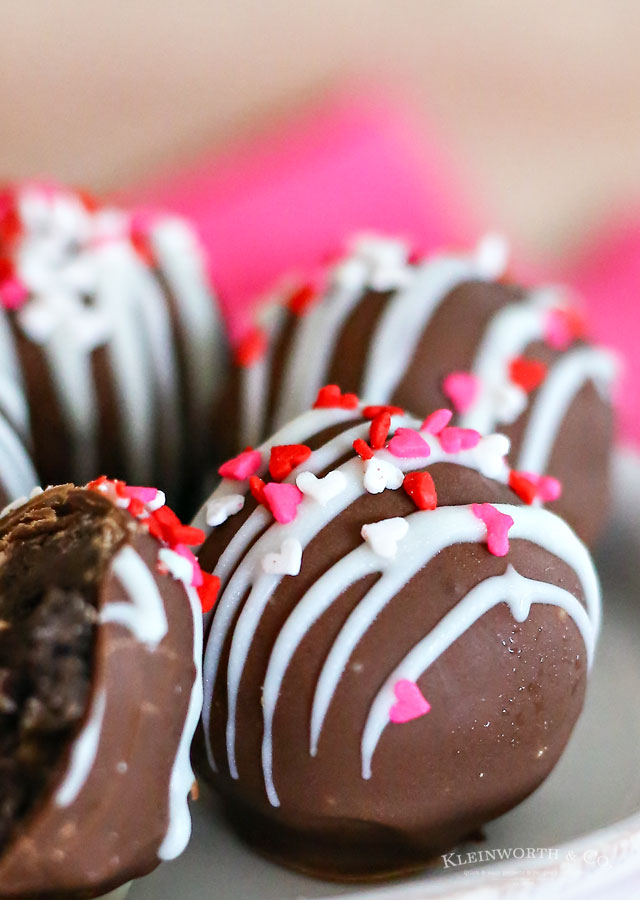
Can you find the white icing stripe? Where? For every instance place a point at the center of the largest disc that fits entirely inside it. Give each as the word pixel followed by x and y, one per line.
pixel 255 380
pixel 12 399
pixel 310 520
pixel 311 351
pixel 517 592
pixel 17 475
pixel 144 616
pixel 508 334
pixel 404 320
pixel 572 371
pixel 179 827
pixel 428 534
pixel 83 753
pixel 72 377
pixel 182 263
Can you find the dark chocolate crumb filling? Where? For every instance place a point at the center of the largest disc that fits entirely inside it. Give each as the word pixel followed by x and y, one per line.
pixel 53 554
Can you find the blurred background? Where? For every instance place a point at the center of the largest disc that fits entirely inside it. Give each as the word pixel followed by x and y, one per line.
pixel 535 101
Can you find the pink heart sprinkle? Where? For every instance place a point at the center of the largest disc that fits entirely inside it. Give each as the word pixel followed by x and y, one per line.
pixel 461 388
pixel 184 551
pixel 143 494
pixel 283 500
pixel 498 525
pixel 410 702
pixel 453 440
pixel 242 466
pixel 548 489
pixel 558 333
pixel 13 294
pixel 438 420
pixel 408 444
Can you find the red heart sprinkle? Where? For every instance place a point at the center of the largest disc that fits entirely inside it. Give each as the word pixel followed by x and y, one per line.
pixel 379 429
pixel 370 412
pixel 523 486
pixel 301 299
pixel 256 486
pixel 330 396
pixel 208 591
pixel 285 458
pixel 251 348
pixel 420 487
pixel 527 373
pixel 363 450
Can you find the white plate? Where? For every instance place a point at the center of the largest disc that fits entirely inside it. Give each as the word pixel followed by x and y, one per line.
pixel 587 813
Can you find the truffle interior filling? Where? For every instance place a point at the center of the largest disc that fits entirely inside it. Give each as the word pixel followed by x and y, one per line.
pixel 53 554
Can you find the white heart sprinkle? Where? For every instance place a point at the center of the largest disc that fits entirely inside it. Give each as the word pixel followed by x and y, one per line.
pixel 509 402
pixel 287 562
pixel 321 489
pixel 218 511
pixel 383 536
pixel 492 255
pixel 380 474
pixel 490 455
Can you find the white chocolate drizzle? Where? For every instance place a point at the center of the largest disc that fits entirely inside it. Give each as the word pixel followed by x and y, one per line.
pixel 144 615
pixel 83 753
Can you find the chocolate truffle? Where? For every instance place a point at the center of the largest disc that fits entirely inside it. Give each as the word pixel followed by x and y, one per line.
pixel 400 648
pixel 115 333
pixel 449 329
pixel 100 688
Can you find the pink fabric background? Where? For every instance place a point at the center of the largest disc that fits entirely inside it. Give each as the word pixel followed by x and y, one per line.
pixel 286 200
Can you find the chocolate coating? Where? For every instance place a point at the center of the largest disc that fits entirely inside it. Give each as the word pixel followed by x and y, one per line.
pixel 104 807
pixel 346 332
pixel 504 695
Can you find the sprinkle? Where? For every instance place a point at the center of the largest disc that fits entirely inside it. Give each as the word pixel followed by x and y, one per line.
pixel 379 474
pixel 208 591
pixel 363 450
pixel 242 466
pixel 150 496
pixel 543 487
pixel 408 444
pixel 370 412
pixel 10 223
pixel 498 525
pixel 522 485
pixel 141 243
pixel 438 420
pixel 251 348
pixel 283 500
pixel 461 388
pixel 490 455
pixel 549 489
pixel 301 299
pixel 492 255
pixel 219 510
pixel 527 373
pixel 421 488
pixel 322 490
pixel 383 536
pixel 287 562
pixel 453 440
pixel 410 703
pixel 379 430
pixel 256 486
pixel 285 458
pixel 330 396
pixel 13 294
pixel 562 327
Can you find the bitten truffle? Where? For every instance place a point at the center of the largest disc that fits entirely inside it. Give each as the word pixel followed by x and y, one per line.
pixel 449 329
pixel 400 648
pixel 100 688
pixel 114 332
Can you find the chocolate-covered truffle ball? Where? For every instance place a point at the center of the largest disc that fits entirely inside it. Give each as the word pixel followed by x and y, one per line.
pixel 400 647
pixel 115 332
pixel 448 329
pixel 100 688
